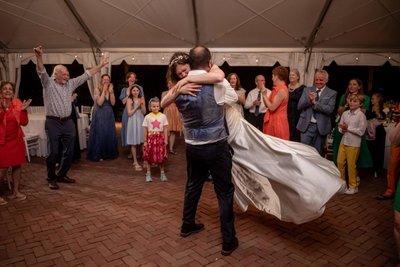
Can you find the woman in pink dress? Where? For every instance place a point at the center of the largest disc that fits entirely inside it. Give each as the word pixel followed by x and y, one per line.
pixel 12 145
pixel 275 120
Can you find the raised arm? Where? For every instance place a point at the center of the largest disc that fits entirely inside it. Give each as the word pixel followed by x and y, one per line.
pixel 97 68
pixel 39 60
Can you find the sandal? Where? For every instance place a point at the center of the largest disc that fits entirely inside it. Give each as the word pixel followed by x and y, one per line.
pixel 137 167
pixel 2 201
pixel 18 197
pixel 172 152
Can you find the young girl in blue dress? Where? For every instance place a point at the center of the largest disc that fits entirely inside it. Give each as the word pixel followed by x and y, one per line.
pixel 155 139
pixel 134 133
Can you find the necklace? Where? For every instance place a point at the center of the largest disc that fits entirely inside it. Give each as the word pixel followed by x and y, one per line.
pixel 291 87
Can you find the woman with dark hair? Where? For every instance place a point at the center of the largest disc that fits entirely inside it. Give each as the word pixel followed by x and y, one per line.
pixel 355 86
pixel 275 119
pixel 13 115
pixel 103 142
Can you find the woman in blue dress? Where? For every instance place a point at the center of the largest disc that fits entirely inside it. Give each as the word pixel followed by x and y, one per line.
pixel 131 81
pixel 103 143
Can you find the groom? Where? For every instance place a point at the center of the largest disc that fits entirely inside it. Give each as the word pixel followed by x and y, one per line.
pixel 207 149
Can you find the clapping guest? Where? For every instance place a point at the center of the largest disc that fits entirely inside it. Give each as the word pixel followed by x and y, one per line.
pixel 295 91
pixel 275 120
pixel 103 142
pixel 316 105
pixel 352 125
pixel 13 115
pixel 255 105
pixel 136 109
pixel 234 81
pixel 354 87
pixel 131 79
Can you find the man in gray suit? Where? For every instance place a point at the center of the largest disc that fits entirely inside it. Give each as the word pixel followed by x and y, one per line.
pixel 316 106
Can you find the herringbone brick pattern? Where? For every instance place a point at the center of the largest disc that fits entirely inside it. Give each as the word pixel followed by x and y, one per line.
pixel 111 217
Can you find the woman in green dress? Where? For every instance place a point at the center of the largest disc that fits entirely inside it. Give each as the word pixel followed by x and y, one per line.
pixel 355 86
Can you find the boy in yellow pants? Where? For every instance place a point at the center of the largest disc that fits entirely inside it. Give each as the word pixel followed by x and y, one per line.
pixel 352 125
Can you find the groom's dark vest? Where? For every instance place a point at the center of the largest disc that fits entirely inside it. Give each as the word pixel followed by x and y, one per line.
pixel 203 118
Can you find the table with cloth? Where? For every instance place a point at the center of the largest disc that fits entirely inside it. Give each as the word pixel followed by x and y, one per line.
pixel 37 125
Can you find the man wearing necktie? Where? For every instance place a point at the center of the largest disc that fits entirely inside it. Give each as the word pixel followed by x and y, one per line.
pixel 254 104
pixel 316 105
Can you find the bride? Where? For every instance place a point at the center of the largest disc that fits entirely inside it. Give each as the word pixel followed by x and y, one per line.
pixel 286 179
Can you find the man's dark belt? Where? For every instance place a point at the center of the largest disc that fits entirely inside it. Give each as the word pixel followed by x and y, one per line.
pixel 58 118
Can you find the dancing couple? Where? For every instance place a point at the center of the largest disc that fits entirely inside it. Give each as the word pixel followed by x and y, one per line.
pixel 287 179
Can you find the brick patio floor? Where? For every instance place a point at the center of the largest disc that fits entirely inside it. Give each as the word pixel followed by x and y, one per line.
pixel 111 217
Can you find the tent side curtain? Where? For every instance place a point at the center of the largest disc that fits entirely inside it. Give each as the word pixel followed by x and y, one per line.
pixel 296 60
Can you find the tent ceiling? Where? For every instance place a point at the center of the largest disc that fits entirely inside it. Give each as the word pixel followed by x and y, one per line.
pixel 351 25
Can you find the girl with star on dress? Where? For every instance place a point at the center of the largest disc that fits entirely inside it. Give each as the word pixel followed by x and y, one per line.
pixel 155 139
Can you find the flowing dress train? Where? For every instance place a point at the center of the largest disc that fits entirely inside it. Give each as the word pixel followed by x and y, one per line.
pixel 287 179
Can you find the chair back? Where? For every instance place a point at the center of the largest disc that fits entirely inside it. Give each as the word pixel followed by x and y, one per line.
pixel 36 109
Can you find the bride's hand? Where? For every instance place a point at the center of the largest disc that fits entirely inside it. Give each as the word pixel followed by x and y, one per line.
pixel 189 89
pixel 182 83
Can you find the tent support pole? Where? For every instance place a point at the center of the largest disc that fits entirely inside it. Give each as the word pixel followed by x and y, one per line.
pixel 93 41
pixel 317 26
pixel 196 25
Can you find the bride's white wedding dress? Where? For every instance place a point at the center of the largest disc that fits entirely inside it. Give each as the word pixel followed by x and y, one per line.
pixel 287 179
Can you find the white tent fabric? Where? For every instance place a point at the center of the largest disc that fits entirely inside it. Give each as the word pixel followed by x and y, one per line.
pixel 304 34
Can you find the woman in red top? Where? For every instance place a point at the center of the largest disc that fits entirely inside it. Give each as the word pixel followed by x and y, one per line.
pixel 275 120
pixel 12 146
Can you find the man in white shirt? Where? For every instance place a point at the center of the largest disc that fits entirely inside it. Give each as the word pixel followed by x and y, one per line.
pixel 255 105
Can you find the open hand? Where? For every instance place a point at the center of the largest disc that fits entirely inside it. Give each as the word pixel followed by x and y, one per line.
pixel 189 89
pixel 26 104
pixel 182 83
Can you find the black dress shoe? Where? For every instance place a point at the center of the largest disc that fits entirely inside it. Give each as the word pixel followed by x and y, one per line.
pixel 187 230
pixel 384 197
pixel 53 186
pixel 65 179
pixel 228 248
